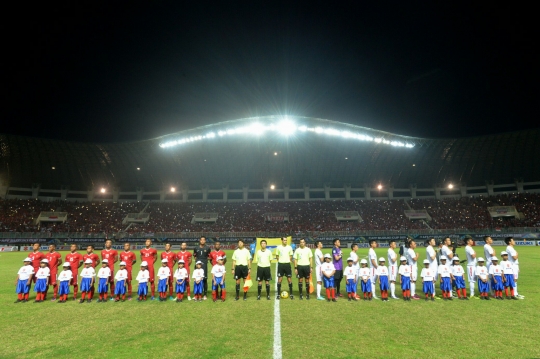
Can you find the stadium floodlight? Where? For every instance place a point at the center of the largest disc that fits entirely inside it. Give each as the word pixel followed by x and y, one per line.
pixel 450 186
pixel 103 190
pixel 272 187
pixel 286 127
pixel 275 153
pixel 53 167
pixel 379 187
pixel 138 168
pixel 173 189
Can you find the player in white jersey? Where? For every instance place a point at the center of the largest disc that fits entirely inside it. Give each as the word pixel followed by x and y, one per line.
pixel 447 251
pixel 431 256
pixel 319 260
pixel 372 259
pixel 392 268
pixel 488 253
pixel 513 258
pixel 412 258
pixel 471 265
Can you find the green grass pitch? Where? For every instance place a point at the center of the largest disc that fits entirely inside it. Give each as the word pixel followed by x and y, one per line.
pixel 309 329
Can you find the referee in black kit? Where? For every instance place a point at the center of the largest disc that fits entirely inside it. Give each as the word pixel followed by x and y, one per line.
pixel 201 253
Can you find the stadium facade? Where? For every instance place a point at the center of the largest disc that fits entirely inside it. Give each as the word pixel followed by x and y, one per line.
pixel 270 158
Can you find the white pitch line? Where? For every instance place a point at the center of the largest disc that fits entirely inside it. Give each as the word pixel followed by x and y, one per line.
pixel 277 326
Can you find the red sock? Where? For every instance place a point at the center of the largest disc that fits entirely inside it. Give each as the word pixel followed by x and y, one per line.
pixel 20 296
pixel 506 291
pixel 123 297
pixel 55 290
pixel 178 296
pixel 512 291
pixel 223 293
pixel 38 296
pixel 328 294
pixel 75 290
pixel 112 289
pixel 130 289
pixel 170 290
pixel 100 296
pixel 464 292
pixel 459 293
pixel 26 295
pixel 188 289
pixel 364 295
pixel 214 295
pixel 105 295
pixel 153 287
pixel 333 293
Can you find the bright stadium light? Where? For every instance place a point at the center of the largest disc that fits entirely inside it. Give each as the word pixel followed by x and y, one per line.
pixel 272 187
pixel 173 189
pixel 286 127
pixel 103 190
pixel 138 168
pixel 275 153
pixel 379 187
pixel 450 186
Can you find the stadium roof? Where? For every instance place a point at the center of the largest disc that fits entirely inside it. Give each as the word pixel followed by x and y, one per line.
pixel 271 150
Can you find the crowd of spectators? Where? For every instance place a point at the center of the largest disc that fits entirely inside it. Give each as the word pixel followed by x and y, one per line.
pixel 312 216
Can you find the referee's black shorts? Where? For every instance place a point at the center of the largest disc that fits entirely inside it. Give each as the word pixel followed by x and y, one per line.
pixel 240 272
pixel 263 273
pixel 303 271
pixel 284 270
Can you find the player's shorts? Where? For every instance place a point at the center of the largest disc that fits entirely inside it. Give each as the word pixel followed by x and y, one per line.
pixel 63 288
pixel 162 285
pixel 220 283
pixel 483 287
pixel 516 271
pixel 459 282
pixel 392 273
pixel 303 272
pixel 366 286
pixel 120 288
pixel 383 282
pixel 74 280
pixel 471 273
pixel 509 281
pixel 446 284
pixel 405 283
pixel 53 277
pixel 414 273
pixel 328 282
pixel 181 288
pixel 41 285
pixel 428 287
pixel 143 289
pixel 284 270
pixel 350 286
pixel 497 283
pixel 240 272
pixel 198 287
pixel 22 287
pixel 263 273
pixel 318 273
pixel 103 285
pixel 86 284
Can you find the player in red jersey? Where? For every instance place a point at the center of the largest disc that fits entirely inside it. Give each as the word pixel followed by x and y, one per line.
pixel 111 255
pixel 36 256
pixel 75 260
pixel 171 260
pixel 55 259
pixel 187 258
pixel 130 258
pixel 217 252
pixel 95 262
pixel 149 255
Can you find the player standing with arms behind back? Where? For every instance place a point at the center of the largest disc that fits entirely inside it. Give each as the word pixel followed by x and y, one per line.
pixel 149 255
pixel 513 258
pixel 75 260
pixel 55 260
pixel 264 259
pixel 337 260
pixel 392 268
pixel 185 256
pixel 95 262
pixel 471 265
pixel 171 260
pixel 318 263
pixel 241 266
pixel 111 255
pixel 372 258
pixel 130 259
pixel 284 255
pixel 303 262
pixel 412 259
pixel 201 254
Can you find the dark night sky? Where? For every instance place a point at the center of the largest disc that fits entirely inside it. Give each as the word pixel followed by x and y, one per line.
pixel 118 73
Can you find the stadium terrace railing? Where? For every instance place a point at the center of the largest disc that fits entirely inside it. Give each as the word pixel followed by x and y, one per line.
pixel 120 235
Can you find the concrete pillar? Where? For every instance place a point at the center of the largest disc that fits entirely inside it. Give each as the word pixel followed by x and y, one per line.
pixel 225 193
pixel 162 194
pixel 64 192
pixel 347 191
pixel 245 193
pixel 115 194
pixel 306 192
pixel 3 190
pixel 185 194
pixel 489 186
pixel 286 192
pixel 140 193
pixel 463 190
pixel 90 194
pixel 367 191
pixel 412 187
pixel 205 194
pixel 327 192
pixel 265 192
pixel 35 189
pixel 390 192
pixel 437 192
pixel 519 185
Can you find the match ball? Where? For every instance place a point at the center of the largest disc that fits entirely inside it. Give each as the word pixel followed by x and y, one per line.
pixel 284 294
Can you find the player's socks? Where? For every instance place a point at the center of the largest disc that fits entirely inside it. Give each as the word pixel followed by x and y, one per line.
pixel 20 296
pixel 279 288
pixel 26 295
pixel 267 289
pixel 307 288
pixel 75 291
pixel 123 297
pixel 515 289
pixel 300 289
pixel 259 289
pixel 471 287
pixel 458 293
pixel 237 290
pixel 506 291
pixel 105 295
pixel 328 296
pixel 55 290
pixel 393 289
pixel 92 291
pixel 153 288
pixel 319 288
pixel 83 295
pixel 333 293
pixel 290 289
pixel 188 289
pixel 170 290
pixel 223 294
pixel 413 289
pixel 214 294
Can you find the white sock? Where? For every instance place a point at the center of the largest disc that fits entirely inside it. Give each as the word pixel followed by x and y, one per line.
pixel 393 289
pixel 319 286
pixel 413 289
pixel 515 289
pixel 471 288
pixel 373 289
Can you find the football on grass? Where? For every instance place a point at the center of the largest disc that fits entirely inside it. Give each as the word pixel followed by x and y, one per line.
pixel 284 294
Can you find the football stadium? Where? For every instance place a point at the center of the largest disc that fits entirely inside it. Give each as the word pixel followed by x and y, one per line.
pixel 234 240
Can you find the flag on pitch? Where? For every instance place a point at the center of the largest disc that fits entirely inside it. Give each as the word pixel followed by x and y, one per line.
pixel 248 283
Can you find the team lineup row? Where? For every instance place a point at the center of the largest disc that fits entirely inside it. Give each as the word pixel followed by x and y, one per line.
pixel 328 269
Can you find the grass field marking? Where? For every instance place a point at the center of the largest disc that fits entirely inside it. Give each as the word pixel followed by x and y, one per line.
pixel 277 326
